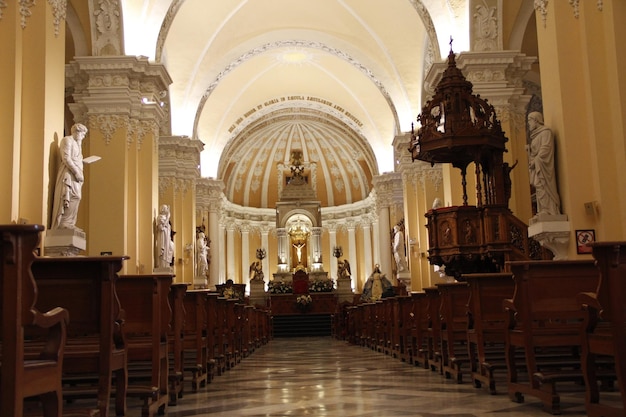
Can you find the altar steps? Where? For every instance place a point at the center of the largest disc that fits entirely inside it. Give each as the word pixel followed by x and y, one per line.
pixel 302 325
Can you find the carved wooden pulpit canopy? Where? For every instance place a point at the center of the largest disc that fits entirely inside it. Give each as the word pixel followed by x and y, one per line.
pixel 460 128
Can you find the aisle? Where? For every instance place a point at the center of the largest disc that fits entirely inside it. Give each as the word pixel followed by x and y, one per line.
pixel 327 377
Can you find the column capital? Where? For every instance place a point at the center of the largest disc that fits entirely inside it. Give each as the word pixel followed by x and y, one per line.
pixel 121 85
pixel 388 189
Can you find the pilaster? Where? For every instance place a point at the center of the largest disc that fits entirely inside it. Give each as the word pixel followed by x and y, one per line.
pixel 118 99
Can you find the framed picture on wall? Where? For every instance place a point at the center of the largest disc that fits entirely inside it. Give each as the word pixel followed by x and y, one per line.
pixel 582 238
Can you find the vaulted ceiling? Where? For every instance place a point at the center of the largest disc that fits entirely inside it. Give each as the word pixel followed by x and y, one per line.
pixel 254 79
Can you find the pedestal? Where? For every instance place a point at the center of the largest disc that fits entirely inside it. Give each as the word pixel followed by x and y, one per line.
pixel 405 278
pixel 258 296
pixel 200 282
pixel 551 231
pixel 65 242
pixel 344 290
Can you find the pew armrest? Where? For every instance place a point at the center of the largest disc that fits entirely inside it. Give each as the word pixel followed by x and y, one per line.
pixel 56 321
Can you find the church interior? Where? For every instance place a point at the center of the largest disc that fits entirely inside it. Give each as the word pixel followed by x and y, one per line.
pixel 328 169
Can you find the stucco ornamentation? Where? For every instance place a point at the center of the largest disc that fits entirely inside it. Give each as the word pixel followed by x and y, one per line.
pixel 59 10
pixel 486 28
pixel 25 13
pixel 541 7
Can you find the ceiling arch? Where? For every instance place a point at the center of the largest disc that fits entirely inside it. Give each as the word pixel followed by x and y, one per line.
pixel 347 73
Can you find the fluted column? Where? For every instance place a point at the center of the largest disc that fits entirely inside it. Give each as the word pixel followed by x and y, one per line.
pixel 283 249
pixel 352 254
pixel 245 254
pixel 222 254
pixel 332 241
pixel 316 248
pixel 265 230
pixel 230 251
pixel 367 249
pixel 209 194
pixel 389 202
pixel 32 48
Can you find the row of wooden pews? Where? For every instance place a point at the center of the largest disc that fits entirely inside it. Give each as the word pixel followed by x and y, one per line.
pixel 106 337
pixel 539 329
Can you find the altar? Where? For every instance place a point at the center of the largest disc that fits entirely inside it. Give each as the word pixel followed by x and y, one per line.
pixel 287 305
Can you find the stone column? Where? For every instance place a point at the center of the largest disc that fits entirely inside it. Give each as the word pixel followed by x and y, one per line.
pixel 389 203
pixel 230 251
pixel 179 157
pixel 316 249
pixel 221 278
pixel 367 248
pixel 332 242
pixel 352 254
pixel 283 249
pixel 31 121
pixel 118 98
pixel 209 194
pixel 245 254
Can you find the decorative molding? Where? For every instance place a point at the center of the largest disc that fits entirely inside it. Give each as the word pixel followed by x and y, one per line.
pixel 107 124
pixel 25 13
pixel 3 5
pixel 541 7
pixel 576 6
pixel 485 28
pixel 165 27
pixel 107 30
pixel 59 10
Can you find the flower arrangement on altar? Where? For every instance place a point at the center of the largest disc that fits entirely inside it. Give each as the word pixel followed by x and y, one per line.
pixel 322 285
pixel 304 300
pixel 279 287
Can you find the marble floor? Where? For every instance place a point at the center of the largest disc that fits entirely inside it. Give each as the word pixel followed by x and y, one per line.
pixel 328 377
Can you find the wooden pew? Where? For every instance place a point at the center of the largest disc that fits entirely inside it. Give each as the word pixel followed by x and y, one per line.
pixel 20 377
pixel 486 325
pixel 195 344
pixel 95 349
pixel 433 332
pixel 403 337
pixel 419 354
pixel 175 340
pixel 604 334
pixel 453 310
pixel 145 299
pixel 544 321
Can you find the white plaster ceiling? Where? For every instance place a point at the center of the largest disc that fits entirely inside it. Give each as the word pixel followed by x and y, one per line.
pixel 336 78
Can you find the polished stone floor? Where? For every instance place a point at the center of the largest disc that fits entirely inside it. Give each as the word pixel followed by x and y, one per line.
pixel 328 377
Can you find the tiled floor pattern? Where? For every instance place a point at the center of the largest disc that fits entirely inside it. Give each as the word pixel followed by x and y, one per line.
pixel 328 377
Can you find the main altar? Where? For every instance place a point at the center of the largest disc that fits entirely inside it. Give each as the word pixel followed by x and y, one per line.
pixel 300 284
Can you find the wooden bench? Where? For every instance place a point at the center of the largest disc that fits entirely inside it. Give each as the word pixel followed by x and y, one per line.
pixel 145 299
pixel 453 312
pixel 20 377
pixel 544 321
pixel 486 325
pixel 195 344
pixel 175 340
pixel 604 334
pixel 419 348
pixel 96 349
pixel 433 332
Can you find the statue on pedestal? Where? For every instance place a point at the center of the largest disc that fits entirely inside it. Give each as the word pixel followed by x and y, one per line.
pixel 202 250
pixel 69 181
pixel 399 249
pixel 541 166
pixel 164 245
pixel 377 286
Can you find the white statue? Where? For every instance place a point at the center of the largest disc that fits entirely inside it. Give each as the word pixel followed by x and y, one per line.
pixel 164 245
pixel 69 181
pixel 202 263
pixel 437 203
pixel 399 249
pixel 541 166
